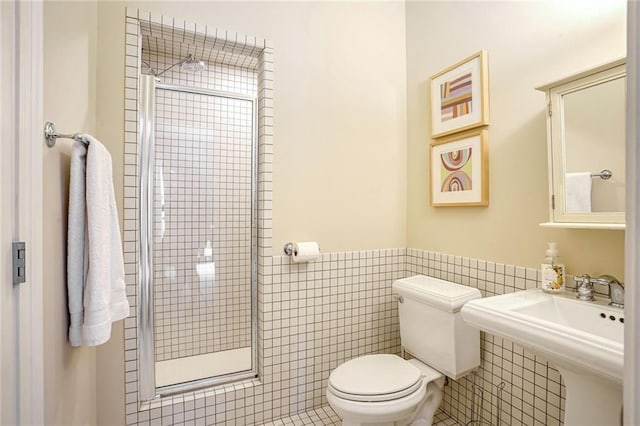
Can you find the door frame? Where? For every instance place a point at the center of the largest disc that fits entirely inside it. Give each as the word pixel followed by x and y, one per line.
pixel 30 154
pixel 6 120
pixel 21 306
pixel 632 236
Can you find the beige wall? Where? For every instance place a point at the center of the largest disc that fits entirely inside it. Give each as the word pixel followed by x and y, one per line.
pixel 110 131
pixel 70 51
pixel 529 44
pixel 340 112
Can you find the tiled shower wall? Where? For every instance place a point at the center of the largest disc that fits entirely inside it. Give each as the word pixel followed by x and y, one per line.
pixel 236 63
pixel 203 198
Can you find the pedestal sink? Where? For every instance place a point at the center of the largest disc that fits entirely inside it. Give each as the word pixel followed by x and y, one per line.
pixel 583 340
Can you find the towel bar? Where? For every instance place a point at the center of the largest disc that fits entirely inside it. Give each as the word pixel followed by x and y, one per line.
pixel 51 134
pixel 604 174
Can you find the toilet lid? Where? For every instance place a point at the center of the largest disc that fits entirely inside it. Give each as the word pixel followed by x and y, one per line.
pixel 375 378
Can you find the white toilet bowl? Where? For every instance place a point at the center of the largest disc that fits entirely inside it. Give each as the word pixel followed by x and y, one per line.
pixel 385 390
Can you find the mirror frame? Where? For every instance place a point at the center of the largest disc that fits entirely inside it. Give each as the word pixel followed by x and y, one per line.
pixel 554 91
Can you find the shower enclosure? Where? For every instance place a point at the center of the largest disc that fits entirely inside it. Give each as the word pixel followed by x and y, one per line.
pixel 197 222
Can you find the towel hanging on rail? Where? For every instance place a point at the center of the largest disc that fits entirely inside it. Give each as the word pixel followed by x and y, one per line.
pixel 95 265
pixel 578 190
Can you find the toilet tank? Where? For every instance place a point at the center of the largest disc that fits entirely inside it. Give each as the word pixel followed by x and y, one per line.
pixel 431 327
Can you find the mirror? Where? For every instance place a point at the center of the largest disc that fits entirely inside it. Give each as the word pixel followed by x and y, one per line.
pixel 586 146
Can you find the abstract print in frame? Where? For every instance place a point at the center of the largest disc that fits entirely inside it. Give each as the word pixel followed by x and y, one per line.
pixel 459 99
pixel 460 169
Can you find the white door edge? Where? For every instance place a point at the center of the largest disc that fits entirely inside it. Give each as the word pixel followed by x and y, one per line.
pixel 632 236
pixel 8 309
pixel 4 214
pixel 30 209
pixel 21 307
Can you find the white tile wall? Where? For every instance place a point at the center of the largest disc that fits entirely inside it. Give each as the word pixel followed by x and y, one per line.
pixel 524 386
pixel 316 316
pixel 216 76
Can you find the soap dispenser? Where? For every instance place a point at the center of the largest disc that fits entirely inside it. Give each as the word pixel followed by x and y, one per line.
pixel 552 271
pixel 208 252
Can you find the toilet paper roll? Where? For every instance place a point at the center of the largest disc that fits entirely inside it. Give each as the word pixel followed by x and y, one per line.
pixel 305 252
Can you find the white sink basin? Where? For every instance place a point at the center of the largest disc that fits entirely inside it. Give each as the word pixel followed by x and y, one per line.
pixel 584 340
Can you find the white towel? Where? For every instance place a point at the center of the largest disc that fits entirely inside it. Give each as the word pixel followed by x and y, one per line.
pixel 104 297
pixel 76 243
pixel 578 190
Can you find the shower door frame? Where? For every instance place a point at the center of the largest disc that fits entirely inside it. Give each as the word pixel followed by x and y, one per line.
pixel 145 304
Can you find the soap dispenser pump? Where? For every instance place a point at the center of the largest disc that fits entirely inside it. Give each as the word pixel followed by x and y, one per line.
pixel 552 271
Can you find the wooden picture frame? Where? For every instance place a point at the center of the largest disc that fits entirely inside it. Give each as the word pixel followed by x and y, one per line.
pixel 459 171
pixel 459 96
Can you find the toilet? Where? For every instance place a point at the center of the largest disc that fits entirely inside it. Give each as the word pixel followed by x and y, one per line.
pixel 386 389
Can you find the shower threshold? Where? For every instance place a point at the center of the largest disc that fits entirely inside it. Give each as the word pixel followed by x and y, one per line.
pixel 197 367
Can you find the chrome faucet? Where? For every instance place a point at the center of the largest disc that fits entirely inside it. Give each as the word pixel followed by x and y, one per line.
pixel 585 288
pixel 616 289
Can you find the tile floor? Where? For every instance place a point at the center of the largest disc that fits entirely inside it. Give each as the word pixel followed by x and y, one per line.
pixel 442 419
pixel 320 416
pixel 326 416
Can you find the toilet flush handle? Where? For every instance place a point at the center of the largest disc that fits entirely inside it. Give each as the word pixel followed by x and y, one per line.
pixel 398 297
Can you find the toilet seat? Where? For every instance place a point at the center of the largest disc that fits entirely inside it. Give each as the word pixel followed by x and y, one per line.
pixel 375 378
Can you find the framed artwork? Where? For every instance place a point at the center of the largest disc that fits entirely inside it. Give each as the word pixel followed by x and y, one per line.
pixel 460 169
pixel 459 96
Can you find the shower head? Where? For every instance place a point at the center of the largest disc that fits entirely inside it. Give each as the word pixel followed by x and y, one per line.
pixel 191 64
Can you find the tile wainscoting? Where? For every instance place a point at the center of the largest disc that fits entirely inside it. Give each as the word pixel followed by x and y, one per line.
pixel 513 386
pixel 313 317
pixel 317 315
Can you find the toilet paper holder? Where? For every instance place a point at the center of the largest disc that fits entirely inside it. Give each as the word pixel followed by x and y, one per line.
pixel 301 252
pixel 290 249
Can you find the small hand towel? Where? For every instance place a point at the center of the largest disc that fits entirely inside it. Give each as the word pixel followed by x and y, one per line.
pixel 578 191
pixel 104 296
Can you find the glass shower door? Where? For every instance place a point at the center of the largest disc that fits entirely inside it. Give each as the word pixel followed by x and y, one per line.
pixel 202 228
